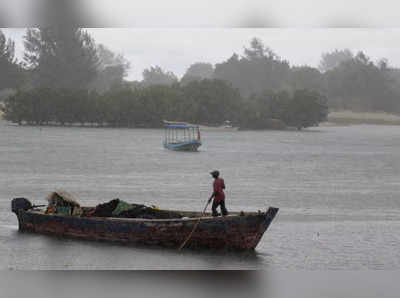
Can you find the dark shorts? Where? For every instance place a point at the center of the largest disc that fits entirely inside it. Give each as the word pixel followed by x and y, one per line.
pixel 222 206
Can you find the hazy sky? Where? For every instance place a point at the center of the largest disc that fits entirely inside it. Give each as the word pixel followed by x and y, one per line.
pixel 174 49
pixel 201 13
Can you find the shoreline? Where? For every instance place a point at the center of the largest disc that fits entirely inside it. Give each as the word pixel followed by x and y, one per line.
pixel 337 118
pixel 354 118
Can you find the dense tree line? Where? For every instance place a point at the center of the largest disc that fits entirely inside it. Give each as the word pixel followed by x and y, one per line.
pixel 208 102
pixel 60 57
pixel 303 108
pixel 157 76
pixel 65 77
pixel 259 69
pixel 198 71
pixel 349 81
pixel 358 84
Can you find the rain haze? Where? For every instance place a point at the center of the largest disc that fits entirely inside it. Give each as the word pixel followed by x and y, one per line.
pixel 258 137
pixel 175 49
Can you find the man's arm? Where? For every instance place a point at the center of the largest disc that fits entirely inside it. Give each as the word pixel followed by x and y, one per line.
pixel 214 192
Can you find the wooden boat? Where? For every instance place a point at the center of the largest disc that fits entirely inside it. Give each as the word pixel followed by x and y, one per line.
pixel 181 136
pixel 236 231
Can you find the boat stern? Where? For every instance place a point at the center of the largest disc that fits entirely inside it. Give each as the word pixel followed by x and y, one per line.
pixel 20 204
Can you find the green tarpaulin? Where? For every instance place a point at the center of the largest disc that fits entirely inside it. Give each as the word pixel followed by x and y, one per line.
pixel 121 207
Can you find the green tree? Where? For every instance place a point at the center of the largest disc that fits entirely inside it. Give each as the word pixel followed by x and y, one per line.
pixel 258 70
pixel 305 77
pixel 333 59
pixel 111 71
pixel 258 50
pixel 307 108
pixel 265 111
pixel 211 102
pixel 60 57
pixel 197 72
pixel 10 71
pixel 358 84
pixel 13 108
pixel 34 106
pixel 157 76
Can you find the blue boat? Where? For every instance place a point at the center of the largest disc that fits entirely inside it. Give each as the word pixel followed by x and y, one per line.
pixel 181 136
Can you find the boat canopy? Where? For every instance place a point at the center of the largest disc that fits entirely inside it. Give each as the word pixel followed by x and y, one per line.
pixel 178 125
pixel 180 133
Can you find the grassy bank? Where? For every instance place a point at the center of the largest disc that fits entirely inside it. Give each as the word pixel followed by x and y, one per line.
pixel 349 117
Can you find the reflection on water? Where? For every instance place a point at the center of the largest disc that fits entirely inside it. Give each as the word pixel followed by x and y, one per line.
pixel 65 253
pixel 337 189
pixel 224 284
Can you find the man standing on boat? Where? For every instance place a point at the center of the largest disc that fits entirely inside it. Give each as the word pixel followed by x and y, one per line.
pixel 218 194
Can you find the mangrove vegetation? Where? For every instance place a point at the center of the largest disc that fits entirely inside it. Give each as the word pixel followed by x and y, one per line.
pixel 66 78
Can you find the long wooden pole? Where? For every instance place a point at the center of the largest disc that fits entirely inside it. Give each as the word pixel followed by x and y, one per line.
pixel 195 226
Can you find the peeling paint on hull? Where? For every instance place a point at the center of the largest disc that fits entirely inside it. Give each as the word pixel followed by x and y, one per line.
pixel 231 232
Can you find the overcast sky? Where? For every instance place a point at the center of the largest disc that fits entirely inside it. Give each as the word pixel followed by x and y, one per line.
pixel 175 49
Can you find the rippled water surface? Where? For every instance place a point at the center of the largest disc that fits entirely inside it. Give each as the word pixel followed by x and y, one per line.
pixel 338 190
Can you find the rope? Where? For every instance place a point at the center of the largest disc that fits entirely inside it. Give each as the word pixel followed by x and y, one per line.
pixel 195 226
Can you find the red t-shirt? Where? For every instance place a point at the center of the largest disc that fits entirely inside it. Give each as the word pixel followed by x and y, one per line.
pixel 219 186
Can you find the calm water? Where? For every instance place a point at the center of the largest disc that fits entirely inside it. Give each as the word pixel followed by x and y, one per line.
pixel 338 190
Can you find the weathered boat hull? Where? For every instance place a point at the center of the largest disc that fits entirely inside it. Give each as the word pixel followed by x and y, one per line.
pixel 230 232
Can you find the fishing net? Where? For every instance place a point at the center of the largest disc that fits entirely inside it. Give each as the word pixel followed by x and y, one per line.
pixel 61 202
pixel 122 207
pixel 62 198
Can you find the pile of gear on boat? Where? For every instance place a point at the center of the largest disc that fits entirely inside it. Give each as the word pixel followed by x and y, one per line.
pixel 63 203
